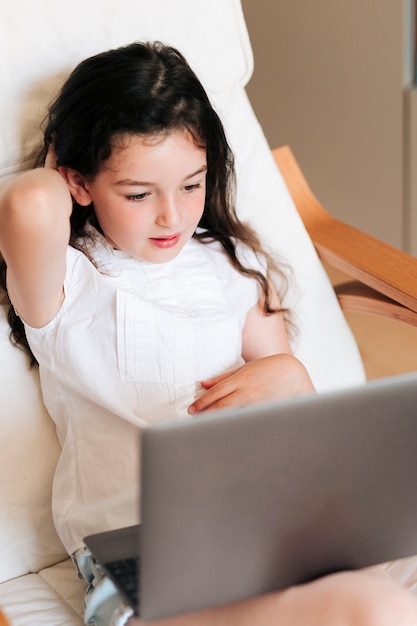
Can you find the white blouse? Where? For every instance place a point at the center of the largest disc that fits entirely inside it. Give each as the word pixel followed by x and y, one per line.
pixel 127 350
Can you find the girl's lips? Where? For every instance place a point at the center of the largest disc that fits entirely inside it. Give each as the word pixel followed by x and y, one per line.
pixel 165 242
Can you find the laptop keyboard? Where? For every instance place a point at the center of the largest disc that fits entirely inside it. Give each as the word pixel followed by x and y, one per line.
pixel 126 573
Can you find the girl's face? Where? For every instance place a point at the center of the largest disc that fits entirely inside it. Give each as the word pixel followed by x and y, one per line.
pixel 149 196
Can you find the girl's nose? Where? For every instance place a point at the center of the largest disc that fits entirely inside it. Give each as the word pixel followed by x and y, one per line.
pixel 168 213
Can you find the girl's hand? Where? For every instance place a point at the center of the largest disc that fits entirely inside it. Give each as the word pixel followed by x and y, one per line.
pixel 267 378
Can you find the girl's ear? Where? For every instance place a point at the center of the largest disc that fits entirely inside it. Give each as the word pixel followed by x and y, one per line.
pixel 77 185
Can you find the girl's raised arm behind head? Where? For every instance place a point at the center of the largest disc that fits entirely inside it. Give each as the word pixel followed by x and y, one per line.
pixel 34 232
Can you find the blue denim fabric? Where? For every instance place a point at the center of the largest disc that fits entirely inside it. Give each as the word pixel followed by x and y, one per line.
pixel 103 604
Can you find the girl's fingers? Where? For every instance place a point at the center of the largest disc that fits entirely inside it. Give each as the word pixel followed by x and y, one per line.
pixel 211 382
pixel 214 397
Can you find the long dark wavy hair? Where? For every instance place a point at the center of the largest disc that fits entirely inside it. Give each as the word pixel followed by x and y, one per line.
pixel 143 89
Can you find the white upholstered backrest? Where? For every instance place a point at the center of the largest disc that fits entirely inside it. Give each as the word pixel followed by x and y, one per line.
pixel 40 42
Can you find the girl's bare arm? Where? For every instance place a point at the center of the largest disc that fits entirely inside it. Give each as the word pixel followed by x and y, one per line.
pixel 264 335
pixel 34 233
pixel 270 372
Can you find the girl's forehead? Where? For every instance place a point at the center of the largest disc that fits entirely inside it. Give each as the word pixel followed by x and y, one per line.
pixel 121 141
pixel 176 149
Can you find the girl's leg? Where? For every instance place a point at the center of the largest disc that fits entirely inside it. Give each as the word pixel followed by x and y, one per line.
pixel 363 598
pixel 103 604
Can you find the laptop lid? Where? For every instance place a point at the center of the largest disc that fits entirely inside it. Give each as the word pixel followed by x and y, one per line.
pixel 238 503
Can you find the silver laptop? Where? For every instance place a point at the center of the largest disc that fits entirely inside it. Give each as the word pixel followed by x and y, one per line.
pixel 241 502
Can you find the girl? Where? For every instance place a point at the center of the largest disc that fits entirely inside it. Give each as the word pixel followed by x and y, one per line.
pixel 143 299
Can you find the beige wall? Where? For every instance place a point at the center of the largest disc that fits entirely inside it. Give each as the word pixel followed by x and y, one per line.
pixel 330 80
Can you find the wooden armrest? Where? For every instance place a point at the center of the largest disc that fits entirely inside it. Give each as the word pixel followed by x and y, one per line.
pixel 380 267
pixel 356 297
pixel 3 620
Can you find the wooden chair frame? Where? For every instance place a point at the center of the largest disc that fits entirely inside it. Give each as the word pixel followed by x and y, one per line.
pixel 384 279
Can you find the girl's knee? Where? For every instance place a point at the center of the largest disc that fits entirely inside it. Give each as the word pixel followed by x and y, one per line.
pixel 368 598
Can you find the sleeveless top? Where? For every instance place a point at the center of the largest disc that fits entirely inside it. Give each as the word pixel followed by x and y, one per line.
pixel 127 350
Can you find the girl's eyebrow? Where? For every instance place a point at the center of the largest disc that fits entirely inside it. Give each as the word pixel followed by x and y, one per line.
pixel 129 182
pixel 200 171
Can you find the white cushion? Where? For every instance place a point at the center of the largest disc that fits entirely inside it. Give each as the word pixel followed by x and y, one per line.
pixel 28 454
pixel 30 601
pixel 70 588
pixel 40 42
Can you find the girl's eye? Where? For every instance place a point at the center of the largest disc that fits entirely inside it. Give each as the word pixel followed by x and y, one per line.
pixel 192 187
pixel 137 197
